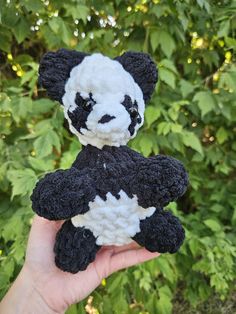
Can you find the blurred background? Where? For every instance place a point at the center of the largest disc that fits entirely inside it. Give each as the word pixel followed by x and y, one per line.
pixel 192 116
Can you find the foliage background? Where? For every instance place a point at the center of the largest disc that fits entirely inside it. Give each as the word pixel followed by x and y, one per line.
pixel 191 116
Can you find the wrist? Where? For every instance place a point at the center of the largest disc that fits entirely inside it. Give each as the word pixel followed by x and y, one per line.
pixel 24 298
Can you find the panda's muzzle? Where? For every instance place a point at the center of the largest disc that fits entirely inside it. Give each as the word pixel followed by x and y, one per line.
pixel 106 118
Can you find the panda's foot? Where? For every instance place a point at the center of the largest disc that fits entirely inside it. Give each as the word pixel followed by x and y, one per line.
pixel 162 232
pixel 75 248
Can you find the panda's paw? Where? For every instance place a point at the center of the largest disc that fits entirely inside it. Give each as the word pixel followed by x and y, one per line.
pixel 63 194
pixel 75 248
pixel 162 232
pixel 159 180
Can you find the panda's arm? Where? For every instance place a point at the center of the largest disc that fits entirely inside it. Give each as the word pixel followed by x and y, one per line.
pixel 63 194
pixel 159 180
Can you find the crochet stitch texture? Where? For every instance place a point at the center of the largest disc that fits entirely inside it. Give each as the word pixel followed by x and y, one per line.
pixel 111 195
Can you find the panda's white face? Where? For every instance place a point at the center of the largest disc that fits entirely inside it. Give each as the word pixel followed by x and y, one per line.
pixel 102 102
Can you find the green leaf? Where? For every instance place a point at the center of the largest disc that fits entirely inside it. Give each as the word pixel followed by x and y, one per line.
pixel 9 15
pixel 146 145
pixel 28 76
pixel 218 282
pixel 167 76
pixel 21 30
pixel 164 305
pixel 60 27
pixel 168 64
pixel 167 43
pixel 117 281
pixel 194 246
pixel 159 10
pixel 186 88
pixel 145 281
pixel 164 128
pixel 79 11
pixel 43 105
pixel 231 42
pixel 20 107
pixel 43 126
pixel 5 39
pixel 9 267
pixel 221 135
pixel 152 114
pixel 54 139
pixel 213 225
pixel 35 6
pixel 154 39
pixel 69 156
pixel 204 4
pixel 228 80
pixel 206 102
pixel 164 39
pixel 166 268
pixel 65 33
pixel 43 145
pixel 191 140
pixel 176 128
pixel 174 110
pixel 72 309
pixel 54 24
pixel 23 181
pixel 224 28
pixel 41 164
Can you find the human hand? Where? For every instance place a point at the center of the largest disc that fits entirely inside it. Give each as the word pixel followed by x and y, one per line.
pixel 53 290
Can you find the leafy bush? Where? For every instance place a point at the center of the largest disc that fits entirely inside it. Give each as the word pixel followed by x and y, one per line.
pixel 191 116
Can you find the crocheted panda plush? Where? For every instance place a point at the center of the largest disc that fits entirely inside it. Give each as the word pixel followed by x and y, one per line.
pixel 111 195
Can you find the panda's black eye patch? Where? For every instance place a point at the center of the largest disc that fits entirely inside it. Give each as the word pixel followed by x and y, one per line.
pixel 79 115
pixel 127 102
pixel 132 109
pixel 133 112
pixel 86 104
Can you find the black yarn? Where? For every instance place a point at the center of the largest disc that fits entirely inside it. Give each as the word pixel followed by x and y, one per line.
pixel 142 69
pixel 155 181
pixel 162 232
pixel 80 115
pixel 106 118
pixel 54 70
pixel 75 248
pixel 132 109
pixel 63 194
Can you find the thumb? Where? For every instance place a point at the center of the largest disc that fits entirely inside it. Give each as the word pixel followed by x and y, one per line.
pixel 129 258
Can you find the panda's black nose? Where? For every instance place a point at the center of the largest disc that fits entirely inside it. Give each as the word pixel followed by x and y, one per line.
pixel 106 118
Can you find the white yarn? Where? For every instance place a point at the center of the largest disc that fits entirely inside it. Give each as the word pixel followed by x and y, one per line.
pixel 109 82
pixel 114 221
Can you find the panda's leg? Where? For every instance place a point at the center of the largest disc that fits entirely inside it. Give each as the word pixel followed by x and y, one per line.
pixel 162 232
pixel 75 248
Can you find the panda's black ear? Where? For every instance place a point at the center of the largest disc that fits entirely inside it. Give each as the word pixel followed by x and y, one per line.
pixel 54 70
pixel 143 70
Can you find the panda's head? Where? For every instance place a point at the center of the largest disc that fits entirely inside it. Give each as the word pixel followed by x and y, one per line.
pixel 103 99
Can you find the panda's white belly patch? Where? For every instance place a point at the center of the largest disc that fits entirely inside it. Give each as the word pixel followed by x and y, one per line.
pixel 114 221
